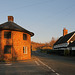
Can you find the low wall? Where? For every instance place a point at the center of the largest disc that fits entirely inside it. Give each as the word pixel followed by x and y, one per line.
pixel 59 52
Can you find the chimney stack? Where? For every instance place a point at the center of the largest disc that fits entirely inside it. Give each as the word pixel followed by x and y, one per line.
pixel 65 31
pixel 10 18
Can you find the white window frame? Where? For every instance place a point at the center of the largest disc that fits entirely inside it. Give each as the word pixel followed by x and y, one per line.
pixel 25 50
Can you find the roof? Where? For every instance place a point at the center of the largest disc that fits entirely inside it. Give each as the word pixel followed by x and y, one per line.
pixel 15 27
pixel 64 39
pixel 58 40
pixel 72 44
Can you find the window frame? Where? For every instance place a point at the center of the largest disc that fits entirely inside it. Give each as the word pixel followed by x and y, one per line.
pixel 25 50
pixel 7 34
pixel 24 36
pixel 7 49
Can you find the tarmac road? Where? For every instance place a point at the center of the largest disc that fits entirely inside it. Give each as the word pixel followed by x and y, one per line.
pixel 60 64
pixel 40 64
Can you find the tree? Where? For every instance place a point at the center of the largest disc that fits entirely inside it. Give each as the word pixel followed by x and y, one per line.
pixel 53 40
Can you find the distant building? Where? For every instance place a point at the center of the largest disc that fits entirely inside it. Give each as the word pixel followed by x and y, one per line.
pixel 15 41
pixel 46 47
pixel 63 42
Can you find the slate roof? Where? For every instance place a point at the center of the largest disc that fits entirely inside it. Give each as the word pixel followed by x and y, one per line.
pixel 58 40
pixel 15 27
pixel 72 44
pixel 64 39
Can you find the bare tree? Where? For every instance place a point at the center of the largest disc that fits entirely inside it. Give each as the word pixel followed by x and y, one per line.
pixel 53 40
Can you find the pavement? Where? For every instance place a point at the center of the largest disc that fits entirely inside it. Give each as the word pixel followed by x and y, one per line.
pixel 27 67
pixel 40 64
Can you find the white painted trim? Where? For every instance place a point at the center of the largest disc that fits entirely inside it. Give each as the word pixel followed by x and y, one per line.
pixel 37 62
pixel 25 49
pixel 73 48
pixel 61 45
pixel 47 66
pixel 71 37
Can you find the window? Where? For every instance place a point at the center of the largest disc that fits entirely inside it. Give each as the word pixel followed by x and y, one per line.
pixel 24 36
pixel 7 35
pixel 25 50
pixel 7 49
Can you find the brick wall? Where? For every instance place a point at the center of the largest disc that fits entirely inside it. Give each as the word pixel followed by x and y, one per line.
pixel 65 31
pixel 17 43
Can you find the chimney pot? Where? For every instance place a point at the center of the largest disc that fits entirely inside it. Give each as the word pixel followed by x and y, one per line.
pixel 65 31
pixel 10 18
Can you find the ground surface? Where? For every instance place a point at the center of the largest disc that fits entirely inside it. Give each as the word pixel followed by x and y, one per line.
pixel 40 64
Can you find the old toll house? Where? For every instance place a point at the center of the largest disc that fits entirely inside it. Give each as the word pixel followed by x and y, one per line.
pixel 15 41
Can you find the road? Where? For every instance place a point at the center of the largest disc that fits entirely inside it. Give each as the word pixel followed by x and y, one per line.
pixel 40 64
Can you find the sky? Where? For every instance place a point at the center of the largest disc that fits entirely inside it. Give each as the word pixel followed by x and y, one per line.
pixel 46 18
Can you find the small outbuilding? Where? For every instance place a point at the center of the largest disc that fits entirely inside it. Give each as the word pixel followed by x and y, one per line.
pixel 15 41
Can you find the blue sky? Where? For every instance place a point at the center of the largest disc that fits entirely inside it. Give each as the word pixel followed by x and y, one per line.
pixel 46 18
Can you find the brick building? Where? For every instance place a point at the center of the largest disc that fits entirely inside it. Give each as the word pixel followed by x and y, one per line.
pixel 15 41
pixel 63 42
pixel 65 45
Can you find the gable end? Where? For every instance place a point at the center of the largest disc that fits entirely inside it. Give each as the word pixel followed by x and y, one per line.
pixel 71 38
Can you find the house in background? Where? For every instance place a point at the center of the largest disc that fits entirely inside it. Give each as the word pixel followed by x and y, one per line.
pixel 63 42
pixel 15 41
pixel 71 47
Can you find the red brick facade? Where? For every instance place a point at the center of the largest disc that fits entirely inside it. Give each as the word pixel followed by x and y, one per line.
pixel 14 46
pixel 17 43
pixel 65 31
